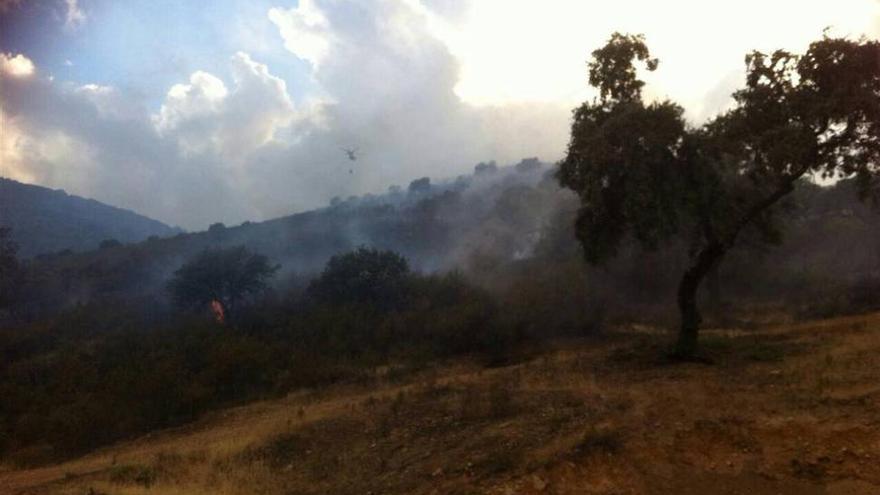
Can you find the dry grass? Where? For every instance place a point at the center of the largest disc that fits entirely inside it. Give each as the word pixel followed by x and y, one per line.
pixel 787 409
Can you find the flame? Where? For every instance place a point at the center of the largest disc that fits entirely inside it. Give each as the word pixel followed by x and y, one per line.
pixel 217 309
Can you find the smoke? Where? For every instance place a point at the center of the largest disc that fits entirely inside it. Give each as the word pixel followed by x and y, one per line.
pixel 246 121
pixel 238 148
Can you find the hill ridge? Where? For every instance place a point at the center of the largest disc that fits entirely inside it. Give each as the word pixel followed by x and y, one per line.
pixel 45 220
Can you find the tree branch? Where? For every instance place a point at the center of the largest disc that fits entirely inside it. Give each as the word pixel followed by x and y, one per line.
pixel 786 187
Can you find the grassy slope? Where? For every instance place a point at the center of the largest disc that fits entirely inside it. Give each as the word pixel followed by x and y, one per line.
pixel 787 409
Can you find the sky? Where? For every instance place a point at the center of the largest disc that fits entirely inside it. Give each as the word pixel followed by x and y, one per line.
pixel 233 110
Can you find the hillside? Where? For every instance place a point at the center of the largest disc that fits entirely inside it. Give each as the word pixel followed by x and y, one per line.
pixel 480 224
pixel 788 408
pixel 495 272
pixel 499 212
pixel 46 221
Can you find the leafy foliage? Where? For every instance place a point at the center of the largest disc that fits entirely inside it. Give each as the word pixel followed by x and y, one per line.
pixel 612 71
pixel 641 172
pixel 364 276
pixel 229 276
pixel 10 270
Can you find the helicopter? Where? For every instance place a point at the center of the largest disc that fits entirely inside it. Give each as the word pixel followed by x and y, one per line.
pixel 351 152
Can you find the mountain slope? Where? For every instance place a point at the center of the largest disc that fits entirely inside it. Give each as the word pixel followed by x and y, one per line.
pixel 45 220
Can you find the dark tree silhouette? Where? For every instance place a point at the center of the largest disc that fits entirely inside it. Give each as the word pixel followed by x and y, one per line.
pixel 11 272
pixel 422 185
pixel 109 243
pixel 642 173
pixel 227 277
pixel 363 276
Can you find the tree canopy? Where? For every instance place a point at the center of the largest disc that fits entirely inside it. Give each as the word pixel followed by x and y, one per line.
pixel 363 276
pixel 10 269
pixel 221 276
pixel 643 173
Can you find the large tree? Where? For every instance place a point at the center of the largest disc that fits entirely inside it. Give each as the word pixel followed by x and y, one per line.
pixel 225 276
pixel 644 174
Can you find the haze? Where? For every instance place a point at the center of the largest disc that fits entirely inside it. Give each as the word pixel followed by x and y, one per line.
pixel 240 110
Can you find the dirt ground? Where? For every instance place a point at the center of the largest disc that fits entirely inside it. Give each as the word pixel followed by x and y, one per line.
pixel 784 409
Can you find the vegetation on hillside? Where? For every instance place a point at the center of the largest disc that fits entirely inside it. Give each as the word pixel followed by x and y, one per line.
pixel 45 221
pixel 108 344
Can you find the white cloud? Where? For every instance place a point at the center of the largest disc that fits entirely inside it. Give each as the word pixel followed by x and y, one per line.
pixel 74 16
pixel 13 145
pixel 421 87
pixel 305 30
pixel 259 106
pixel 204 116
pixel 101 142
pixel 514 51
pixel 186 103
pixel 17 66
pixel 240 149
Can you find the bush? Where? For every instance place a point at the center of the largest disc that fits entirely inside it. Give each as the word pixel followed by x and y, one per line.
pixel 364 276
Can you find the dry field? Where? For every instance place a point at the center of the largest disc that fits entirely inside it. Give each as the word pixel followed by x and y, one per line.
pixel 785 409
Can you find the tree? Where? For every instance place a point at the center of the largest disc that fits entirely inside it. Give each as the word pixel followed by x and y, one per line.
pixel 484 168
pixel 363 276
pixel 217 231
pixel 225 277
pixel 109 243
pixel 422 185
pixel 643 174
pixel 11 272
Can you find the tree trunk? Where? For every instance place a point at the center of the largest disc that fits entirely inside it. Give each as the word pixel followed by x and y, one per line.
pixel 686 346
pixel 713 284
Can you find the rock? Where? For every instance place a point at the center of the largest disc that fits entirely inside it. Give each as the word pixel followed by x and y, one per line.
pixel 437 472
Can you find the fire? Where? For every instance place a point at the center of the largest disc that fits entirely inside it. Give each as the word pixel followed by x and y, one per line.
pixel 217 309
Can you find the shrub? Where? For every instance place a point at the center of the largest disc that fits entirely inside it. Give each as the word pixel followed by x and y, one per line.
pixel 364 276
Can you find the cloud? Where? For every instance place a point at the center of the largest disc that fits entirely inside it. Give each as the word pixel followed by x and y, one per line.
pixel 388 82
pixel 74 16
pixel 238 147
pixel 514 51
pixel 204 116
pixel 420 87
pixel 101 142
pixel 17 66
pixel 305 30
pixel 188 113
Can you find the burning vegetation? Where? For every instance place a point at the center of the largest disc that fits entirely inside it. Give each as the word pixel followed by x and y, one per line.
pixel 217 311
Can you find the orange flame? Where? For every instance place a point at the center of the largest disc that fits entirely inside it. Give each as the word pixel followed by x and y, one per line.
pixel 217 309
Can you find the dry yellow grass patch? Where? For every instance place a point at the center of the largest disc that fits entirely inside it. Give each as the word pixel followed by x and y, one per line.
pixel 786 409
